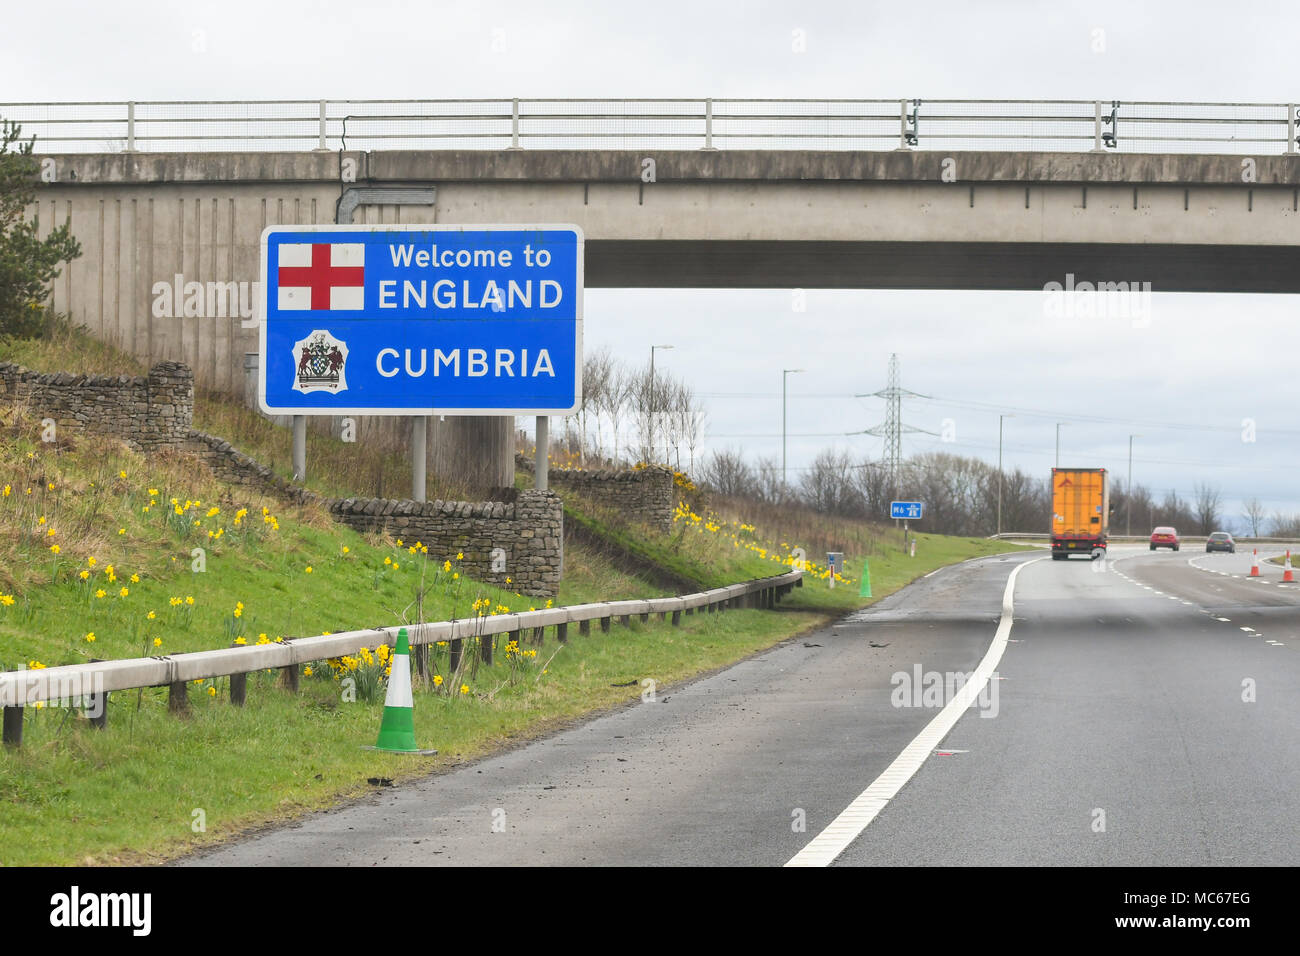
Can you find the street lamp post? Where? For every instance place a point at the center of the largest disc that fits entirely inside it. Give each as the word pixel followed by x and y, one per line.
pixel 1058 442
pixel 1000 417
pixel 785 374
pixel 651 397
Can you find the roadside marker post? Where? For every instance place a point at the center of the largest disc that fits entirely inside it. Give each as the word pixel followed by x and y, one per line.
pixel 835 564
pixel 865 589
pixel 397 729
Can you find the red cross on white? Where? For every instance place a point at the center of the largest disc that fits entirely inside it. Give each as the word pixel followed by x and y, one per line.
pixel 322 275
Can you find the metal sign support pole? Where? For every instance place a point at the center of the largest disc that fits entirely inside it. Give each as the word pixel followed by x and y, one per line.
pixel 300 448
pixel 542 455
pixel 419 456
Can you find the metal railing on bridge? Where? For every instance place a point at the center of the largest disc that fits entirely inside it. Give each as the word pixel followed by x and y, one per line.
pixel 828 124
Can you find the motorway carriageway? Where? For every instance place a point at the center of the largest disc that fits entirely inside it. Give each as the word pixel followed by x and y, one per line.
pixel 1142 711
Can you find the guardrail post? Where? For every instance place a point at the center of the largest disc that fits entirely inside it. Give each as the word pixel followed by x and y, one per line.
pixel 289 675
pixel 322 147
pixel 677 618
pixel 487 648
pixel 515 636
pixel 238 689
pixel 13 727
pixel 604 625
pixel 902 124
pixel 514 124
pixel 562 633
pixel 453 655
pixel 1290 128
pixel 539 636
pixel 708 123
pixel 1096 128
pixel 625 620
pixel 130 126
pixel 645 618
pixel 98 709
pixel 584 627
pixel 178 701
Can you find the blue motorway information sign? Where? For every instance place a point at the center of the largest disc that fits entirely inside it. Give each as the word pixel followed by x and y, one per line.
pixel 418 320
pixel 910 510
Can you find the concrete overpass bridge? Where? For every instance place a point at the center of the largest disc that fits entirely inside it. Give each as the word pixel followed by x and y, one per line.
pixel 169 200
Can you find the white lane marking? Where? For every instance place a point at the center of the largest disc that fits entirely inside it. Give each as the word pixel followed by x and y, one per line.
pixel 931 574
pixel 822 849
pixel 1247 629
pixel 1226 620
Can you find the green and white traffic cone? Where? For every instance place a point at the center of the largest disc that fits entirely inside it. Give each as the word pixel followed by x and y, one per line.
pixel 865 589
pixel 397 730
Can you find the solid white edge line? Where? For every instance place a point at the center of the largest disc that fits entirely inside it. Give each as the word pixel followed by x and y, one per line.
pixel 822 849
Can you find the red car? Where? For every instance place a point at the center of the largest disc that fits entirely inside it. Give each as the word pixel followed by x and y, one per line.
pixel 1164 538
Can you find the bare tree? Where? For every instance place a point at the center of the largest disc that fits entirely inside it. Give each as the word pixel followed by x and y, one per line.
pixel 597 369
pixel 1209 501
pixel 612 403
pixel 1285 525
pixel 1254 515
pixel 695 418
pixel 727 473
pixel 829 485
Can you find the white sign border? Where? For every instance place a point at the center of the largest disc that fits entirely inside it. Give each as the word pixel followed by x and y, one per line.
pixel 420 227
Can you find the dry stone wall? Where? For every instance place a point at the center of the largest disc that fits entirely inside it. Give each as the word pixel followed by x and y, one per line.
pixel 518 544
pixel 647 495
pixel 147 412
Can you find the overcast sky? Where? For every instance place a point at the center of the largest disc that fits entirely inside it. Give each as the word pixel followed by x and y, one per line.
pixel 1184 382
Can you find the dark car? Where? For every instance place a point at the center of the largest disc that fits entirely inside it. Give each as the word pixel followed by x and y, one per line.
pixel 1164 537
pixel 1221 541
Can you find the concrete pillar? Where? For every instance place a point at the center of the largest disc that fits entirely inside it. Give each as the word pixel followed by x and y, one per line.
pixel 473 454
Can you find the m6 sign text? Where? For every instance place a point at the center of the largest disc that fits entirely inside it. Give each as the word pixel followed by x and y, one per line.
pixel 420 320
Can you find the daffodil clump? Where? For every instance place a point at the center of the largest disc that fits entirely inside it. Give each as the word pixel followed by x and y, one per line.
pixel 744 537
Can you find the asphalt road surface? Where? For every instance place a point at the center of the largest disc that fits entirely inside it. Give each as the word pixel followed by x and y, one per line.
pixel 1144 710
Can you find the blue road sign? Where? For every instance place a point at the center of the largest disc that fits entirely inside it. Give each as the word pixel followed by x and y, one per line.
pixel 420 320
pixel 910 510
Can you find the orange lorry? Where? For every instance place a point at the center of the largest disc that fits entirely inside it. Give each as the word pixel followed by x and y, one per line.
pixel 1080 512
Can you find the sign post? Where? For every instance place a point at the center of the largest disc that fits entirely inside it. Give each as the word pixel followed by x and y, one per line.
pixel 907 511
pixel 420 320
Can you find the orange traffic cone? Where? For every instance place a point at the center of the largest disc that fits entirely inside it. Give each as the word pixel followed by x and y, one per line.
pixel 1254 564
pixel 1286 568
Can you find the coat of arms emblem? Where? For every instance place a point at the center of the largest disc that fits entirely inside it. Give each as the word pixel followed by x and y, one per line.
pixel 320 359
